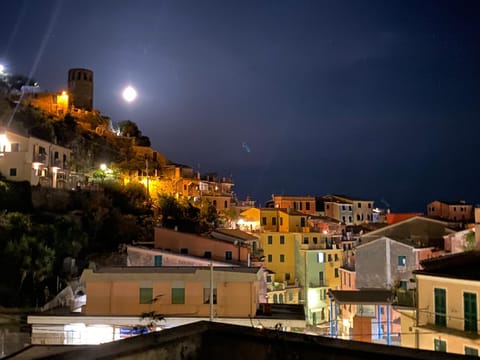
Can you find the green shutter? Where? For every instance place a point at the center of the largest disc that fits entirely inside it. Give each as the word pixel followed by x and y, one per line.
pixel 470 311
pixel 440 307
pixel 146 295
pixel 158 260
pixel 178 296
pixel 471 351
pixel 440 345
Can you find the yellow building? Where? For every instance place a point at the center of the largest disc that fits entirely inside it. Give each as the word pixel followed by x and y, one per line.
pixel 272 219
pixel 446 316
pixel 279 251
pixel 179 291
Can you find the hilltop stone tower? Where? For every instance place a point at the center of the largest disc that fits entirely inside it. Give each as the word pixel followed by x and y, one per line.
pixel 80 87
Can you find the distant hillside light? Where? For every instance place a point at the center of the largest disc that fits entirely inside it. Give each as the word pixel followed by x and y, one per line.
pixel 129 94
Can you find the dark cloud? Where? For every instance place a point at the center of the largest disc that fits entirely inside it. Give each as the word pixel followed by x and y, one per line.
pixel 369 98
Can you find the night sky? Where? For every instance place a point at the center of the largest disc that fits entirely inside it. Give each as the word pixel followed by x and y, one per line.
pixel 372 99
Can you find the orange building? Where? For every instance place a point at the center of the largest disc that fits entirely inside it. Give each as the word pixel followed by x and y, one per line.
pixel 180 291
pixel 305 204
pixel 230 250
pixel 454 211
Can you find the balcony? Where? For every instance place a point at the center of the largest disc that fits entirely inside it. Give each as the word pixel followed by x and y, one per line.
pixel 404 297
pixel 39 158
pixel 318 284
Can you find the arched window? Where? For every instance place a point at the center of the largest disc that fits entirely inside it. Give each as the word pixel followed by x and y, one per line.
pixel 275 299
pixel 280 298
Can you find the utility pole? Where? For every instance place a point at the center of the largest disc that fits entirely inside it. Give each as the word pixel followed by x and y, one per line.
pixel 211 290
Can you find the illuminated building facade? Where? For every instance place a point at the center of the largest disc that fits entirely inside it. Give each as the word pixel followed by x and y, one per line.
pixel 25 158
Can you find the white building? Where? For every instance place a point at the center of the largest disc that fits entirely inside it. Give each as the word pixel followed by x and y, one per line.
pixel 25 158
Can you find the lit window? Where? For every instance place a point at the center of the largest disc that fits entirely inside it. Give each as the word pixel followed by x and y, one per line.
pixel 402 260
pixel 321 257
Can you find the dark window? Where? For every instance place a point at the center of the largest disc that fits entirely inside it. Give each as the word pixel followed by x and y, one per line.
pixel 270 239
pixel 402 260
pixel 270 258
pixel 336 272
pixel 307 206
pixel 158 260
pixel 302 222
pixel 287 276
pixel 13 172
pixel 440 307
pixel 471 351
pixel 206 295
pixel 336 257
pixel 359 205
pixel 184 251
pixel 329 257
pixel 315 240
pixel 282 239
pixel 146 295
pixel 207 254
pixel 228 255
pixel 358 217
pixel 470 311
pixel 215 203
pixel 178 296
pixel 274 221
pixel 305 240
pixel 282 258
pixel 440 345
pixel 369 205
pixel 264 220
pixel 281 221
pixel 225 204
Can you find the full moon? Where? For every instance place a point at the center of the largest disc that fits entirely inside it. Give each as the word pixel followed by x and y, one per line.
pixel 129 94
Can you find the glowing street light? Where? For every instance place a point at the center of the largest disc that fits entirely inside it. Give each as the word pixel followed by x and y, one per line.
pixel 2 68
pixel 129 94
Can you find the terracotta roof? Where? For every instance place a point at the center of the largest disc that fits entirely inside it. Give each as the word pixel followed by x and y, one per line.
pixel 457 266
pixel 242 235
pixel 174 269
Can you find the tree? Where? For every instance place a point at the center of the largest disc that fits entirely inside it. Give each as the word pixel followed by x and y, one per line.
pixel 129 128
pixel 470 242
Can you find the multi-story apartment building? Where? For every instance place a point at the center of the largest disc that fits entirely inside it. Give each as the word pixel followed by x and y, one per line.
pixel 271 219
pixel 348 210
pixel 385 261
pixel 25 158
pixel 279 252
pixel 317 270
pixel 446 313
pixel 454 211
pixel 305 204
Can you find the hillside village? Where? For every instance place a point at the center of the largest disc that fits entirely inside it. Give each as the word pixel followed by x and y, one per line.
pixel 111 239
